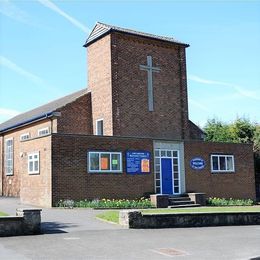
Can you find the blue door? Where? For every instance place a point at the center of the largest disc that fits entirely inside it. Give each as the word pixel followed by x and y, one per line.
pixel 166 166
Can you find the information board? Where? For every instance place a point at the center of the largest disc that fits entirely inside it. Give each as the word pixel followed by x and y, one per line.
pixel 138 162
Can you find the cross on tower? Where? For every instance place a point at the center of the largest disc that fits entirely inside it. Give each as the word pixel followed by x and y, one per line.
pixel 150 69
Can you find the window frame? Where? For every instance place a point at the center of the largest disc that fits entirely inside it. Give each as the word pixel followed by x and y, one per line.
pixel 5 157
pixel 33 160
pixel 105 171
pixel 43 129
pixel 24 135
pixel 97 121
pixel 219 170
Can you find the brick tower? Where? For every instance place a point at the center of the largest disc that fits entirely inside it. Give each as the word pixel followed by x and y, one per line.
pixel 138 83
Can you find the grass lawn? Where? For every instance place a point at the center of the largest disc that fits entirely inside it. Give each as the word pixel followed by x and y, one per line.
pixel 113 216
pixel 3 214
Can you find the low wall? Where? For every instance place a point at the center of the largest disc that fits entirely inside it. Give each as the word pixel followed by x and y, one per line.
pixel 135 219
pixel 26 222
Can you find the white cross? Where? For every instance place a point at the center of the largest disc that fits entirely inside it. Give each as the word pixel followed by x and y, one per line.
pixel 150 69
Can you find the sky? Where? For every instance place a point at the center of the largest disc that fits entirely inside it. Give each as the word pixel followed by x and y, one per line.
pixel 42 56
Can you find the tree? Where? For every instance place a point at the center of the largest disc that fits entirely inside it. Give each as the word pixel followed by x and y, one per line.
pixel 239 131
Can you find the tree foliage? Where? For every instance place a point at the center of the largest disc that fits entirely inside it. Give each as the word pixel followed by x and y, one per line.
pixel 239 131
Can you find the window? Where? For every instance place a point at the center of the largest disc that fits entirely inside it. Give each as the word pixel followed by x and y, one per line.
pixel 24 137
pixel 99 127
pixel 9 156
pixel 33 163
pixel 222 163
pixel 43 131
pixel 104 162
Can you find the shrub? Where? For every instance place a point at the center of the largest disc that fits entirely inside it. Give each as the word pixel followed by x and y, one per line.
pixel 229 202
pixel 141 203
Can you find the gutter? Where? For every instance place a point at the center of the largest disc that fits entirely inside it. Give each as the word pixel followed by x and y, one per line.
pixel 30 121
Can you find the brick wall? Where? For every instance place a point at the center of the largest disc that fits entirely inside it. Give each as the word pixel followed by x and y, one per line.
pixel 1 164
pixel 71 179
pixel 76 117
pixel 240 184
pixel 33 189
pixel 99 82
pixel 131 116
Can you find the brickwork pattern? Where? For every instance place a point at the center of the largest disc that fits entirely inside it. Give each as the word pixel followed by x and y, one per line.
pixel 240 184
pixel 131 116
pixel 99 83
pixel 71 179
pixel 76 117
pixel 33 189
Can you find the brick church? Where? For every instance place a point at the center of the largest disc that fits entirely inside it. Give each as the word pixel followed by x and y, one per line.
pixel 126 135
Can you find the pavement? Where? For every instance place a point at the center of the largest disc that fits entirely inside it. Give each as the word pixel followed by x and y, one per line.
pixel 77 234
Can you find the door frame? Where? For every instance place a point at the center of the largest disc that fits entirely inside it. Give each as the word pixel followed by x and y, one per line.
pixel 160 157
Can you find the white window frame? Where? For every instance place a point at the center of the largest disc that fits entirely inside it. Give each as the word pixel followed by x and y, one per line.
pixel 222 155
pixel 34 160
pixel 25 136
pixel 43 129
pixel 105 171
pixel 12 157
pixel 99 120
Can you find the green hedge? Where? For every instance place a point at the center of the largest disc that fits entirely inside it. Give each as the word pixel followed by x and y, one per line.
pixel 229 202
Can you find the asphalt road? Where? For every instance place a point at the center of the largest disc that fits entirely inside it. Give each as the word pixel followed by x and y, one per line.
pixel 76 234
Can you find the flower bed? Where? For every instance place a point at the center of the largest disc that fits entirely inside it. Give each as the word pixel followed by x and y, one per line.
pixel 229 202
pixel 141 203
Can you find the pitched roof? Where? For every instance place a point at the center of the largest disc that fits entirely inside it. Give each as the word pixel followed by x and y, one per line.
pixel 101 29
pixel 41 112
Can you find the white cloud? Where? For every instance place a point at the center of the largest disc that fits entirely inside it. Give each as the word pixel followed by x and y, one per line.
pixel 240 90
pixel 4 62
pixel 56 9
pixel 14 67
pixel 198 105
pixel 8 112
pixel 10 10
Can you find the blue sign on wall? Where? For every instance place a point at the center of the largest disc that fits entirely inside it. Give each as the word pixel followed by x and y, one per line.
pixel 138 162
pixel 197 163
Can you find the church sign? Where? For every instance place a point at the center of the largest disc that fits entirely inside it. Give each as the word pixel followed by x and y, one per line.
pixel 197 163
pixel 138 162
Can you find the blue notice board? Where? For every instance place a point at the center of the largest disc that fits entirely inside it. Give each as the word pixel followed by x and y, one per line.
pixel 138 162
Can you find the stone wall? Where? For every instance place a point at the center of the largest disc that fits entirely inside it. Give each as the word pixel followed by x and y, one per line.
pixel 135 219
pixel 26 222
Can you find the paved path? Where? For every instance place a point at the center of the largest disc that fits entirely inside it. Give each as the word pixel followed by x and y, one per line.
pixel 55 220
pixel 84 237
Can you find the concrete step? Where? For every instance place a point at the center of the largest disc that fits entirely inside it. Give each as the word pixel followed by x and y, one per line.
pixel 181 202
pixel 179 199
pixel 183 206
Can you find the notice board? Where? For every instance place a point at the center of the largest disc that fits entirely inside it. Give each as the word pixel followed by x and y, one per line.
pixel 138 162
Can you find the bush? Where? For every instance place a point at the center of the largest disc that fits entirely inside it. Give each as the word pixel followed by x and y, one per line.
pixel 229 202
pixel 107 203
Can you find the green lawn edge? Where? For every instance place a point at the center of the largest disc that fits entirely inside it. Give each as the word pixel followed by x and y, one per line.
pixel 2 214
pixel 113 215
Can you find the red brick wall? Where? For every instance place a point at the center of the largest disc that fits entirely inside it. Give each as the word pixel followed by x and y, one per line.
pixel 71 179
pixel 76 117
pixel 99 82
pixel 240 184
pixel 1 165
pixel 130 100
pixel 195 132
pixel 32 189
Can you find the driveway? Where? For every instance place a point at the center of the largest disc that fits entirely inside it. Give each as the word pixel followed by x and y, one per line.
pixel 59 220
pixel 78 235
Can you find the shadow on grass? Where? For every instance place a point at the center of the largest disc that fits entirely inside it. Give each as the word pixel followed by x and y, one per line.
pixel 55 227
